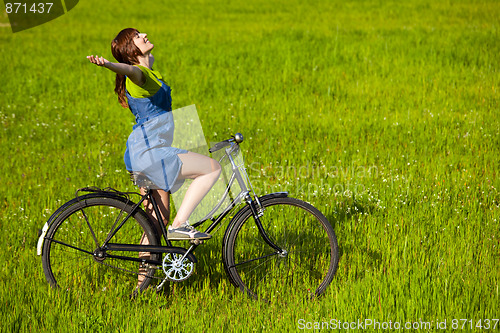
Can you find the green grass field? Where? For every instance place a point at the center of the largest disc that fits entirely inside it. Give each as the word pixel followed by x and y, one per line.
pixel 382 114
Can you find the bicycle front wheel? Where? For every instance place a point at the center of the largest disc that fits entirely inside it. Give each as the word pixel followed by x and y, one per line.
pixel 72 256
pixel 304 267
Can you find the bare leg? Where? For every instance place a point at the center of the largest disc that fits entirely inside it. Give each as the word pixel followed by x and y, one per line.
pixel 162 198
pixel 204 171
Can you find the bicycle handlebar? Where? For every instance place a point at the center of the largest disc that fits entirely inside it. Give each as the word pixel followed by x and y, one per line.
pixel 238 138
pixel 220 145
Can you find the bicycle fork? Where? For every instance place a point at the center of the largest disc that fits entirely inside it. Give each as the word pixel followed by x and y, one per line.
pixel 258 212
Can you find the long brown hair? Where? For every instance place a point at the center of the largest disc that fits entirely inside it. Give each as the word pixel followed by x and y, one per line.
pixel 125 51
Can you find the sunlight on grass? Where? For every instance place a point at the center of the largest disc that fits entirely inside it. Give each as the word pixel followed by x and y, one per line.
pixel 383 115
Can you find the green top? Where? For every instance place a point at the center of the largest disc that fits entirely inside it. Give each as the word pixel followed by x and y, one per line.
pixel 149 88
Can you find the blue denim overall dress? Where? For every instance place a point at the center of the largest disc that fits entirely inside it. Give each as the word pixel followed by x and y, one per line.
pixel 149 151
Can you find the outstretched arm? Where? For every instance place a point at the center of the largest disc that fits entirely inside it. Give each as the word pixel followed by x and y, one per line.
pixel 132 72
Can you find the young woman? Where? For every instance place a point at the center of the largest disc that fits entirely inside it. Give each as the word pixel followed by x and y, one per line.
pixel 149 151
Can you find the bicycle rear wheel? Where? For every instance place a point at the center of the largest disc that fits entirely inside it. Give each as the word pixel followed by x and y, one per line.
pixel 72 256
pixel 306 266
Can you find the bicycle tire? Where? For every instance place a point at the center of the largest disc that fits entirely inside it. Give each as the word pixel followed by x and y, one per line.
pixel 76 266
pixel 295 226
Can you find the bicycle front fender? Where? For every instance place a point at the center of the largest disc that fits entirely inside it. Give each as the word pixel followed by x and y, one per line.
pixel 242 211
pixel 236 217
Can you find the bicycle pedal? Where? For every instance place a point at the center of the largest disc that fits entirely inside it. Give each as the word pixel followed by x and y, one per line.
pixel 196 241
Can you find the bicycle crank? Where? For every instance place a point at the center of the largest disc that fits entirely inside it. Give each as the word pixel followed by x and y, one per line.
pixel 177 267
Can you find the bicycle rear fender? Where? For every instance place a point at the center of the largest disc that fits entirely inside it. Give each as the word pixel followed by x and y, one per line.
pixel 242 211
pixel 43 232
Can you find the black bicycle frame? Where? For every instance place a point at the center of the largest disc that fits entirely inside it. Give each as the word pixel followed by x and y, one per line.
pixel 254 206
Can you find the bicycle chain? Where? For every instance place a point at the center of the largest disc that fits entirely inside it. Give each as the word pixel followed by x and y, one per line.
pixel 136 273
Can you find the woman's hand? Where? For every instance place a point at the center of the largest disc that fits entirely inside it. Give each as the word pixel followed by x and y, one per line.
pixel 132 72
pixel 99 61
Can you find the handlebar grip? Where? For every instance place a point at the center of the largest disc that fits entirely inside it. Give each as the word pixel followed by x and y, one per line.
pixel 219 146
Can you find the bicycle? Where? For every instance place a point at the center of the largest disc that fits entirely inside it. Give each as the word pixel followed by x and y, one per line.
pixel 273 245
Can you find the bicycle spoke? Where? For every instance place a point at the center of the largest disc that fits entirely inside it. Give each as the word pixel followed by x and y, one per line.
pixel 71 246
pixel 72 254
pixel 90 228
pixel 307 263
pixel 118 218
pixel 251 260
pixel 269 274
